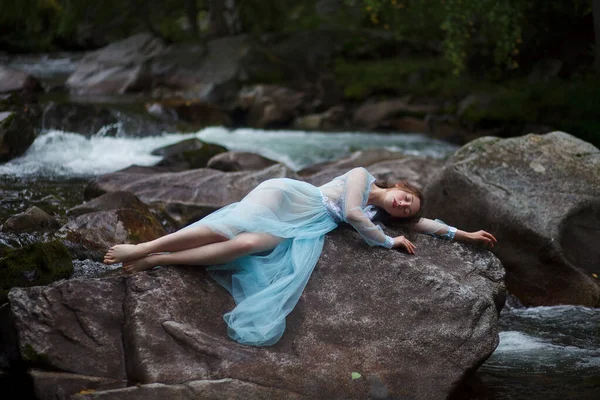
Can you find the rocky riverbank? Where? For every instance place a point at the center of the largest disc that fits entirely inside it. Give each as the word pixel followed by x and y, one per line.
pixel 439 309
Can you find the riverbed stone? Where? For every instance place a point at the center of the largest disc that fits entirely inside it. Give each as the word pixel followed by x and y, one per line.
pixel 117 68
pixel 90 235
pixel 103 119
pixel 186 196
pixel 375 114
pixel 12 80
pixel 540 196
pixel 411 326
pixel 188 154
pixel 386 166
pixel 110 201
pixel 269 105
pixel 16 135
pixel 232 161
pixel 32 265
pixel 34 219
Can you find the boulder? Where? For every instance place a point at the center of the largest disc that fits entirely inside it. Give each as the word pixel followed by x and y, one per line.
pixel 185 196
pixel 12 80
pixel 232 161
pixel 88 236
pixel 385 165
pixel 209 73
pixel 34 219
pixel 187 154
pixel 371 323
pixel 334 118
pixel 372 115
pixel 110 201
pixel 16 135
pixel 196 112
pixel 33 265
pixel 361 158
pixel 103 119
pixel 117 68
pixel 540 196
pixel 269 105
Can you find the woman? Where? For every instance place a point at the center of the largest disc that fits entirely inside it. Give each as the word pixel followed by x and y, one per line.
pixel 264 248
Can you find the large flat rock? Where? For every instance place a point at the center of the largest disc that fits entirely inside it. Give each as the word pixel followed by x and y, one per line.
pixel 411 326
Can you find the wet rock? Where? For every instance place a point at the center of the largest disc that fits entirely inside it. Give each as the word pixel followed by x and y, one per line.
pixel 80 312
pixel 217 389
pixel 61 386
pixel 232 161
pixel 415 169
pixel 16 135
pixel 269 105
pixel 188 154
pixel 102 119
pixel 117 68
pixel 33 265
pixel 539 195
pixel 12 80
pixel 34 219
pixel 196 112
pixel 372 115
pixel 410 325
pixel 89 236
pixel 209 73
pixel 334 118
pixel 188 195
pixel 361 158
pixel 110 201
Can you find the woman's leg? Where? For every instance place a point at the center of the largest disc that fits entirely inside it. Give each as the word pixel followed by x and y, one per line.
pixel 210 254
pixel 184 239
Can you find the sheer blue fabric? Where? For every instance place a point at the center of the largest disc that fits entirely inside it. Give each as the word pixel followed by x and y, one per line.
pixel 266 287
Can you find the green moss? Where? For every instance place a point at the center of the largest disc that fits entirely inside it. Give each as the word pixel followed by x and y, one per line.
pixel 141 226
pixel 30 355
pixel 34 265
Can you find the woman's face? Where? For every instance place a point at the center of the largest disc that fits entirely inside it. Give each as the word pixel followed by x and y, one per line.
pixel 401 204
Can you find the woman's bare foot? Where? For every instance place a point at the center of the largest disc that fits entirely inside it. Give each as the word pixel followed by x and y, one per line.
pixel 123 253
pixel 138 265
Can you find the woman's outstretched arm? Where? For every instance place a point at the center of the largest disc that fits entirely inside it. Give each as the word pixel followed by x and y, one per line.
pixel 440 229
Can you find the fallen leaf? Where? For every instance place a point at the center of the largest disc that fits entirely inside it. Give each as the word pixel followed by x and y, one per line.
pixel 356 375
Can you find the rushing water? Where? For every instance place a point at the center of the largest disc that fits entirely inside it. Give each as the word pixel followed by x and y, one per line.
pixel 63 154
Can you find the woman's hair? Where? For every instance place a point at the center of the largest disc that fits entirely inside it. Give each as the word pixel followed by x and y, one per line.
pixel 386 218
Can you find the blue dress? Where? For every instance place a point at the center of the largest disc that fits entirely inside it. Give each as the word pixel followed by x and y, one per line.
pixel 266 287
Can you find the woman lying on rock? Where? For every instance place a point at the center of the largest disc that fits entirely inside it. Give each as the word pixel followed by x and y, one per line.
pixel 263 249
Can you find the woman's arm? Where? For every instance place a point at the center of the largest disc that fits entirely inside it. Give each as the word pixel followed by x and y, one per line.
pixel 480 237
pixel 440 229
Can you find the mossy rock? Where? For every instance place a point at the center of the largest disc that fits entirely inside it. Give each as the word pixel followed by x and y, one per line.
pixel 188 154
pixel 34 265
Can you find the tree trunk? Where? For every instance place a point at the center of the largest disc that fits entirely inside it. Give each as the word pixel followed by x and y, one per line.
pixel 596 15
pixel 218 26
pixel 224 18
pixel 191 10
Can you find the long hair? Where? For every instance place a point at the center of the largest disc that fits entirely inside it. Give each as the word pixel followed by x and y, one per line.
pixel 386 218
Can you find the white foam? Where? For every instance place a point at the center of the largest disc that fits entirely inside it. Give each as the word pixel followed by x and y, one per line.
pixel 63 154
pixel 515 341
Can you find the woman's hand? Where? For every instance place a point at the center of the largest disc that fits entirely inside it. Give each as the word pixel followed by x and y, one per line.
pixel 481 238
pixel 401 241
